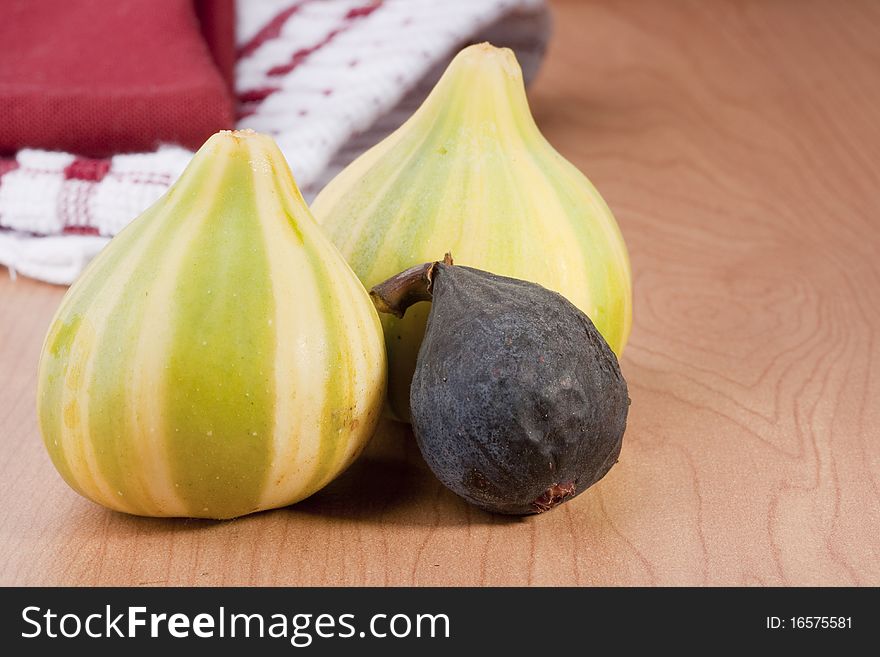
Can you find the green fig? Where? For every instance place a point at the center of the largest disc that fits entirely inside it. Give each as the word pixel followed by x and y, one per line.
pixel 471 173
pixel 219 357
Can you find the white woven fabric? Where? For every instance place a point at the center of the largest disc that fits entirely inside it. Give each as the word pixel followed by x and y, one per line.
pixel 326 78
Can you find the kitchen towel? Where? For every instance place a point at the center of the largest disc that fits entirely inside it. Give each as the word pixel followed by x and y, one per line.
pixel 326 78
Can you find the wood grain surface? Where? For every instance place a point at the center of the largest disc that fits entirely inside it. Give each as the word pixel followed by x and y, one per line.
pixel 737 143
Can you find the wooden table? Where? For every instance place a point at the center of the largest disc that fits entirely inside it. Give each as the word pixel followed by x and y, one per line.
pixel 738 145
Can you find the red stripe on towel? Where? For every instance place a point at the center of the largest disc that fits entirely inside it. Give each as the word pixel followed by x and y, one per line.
pixel 7 165
pixel 85 168
pixel 303 54
pixel 80 177
pixel 80 230
pixel 256 95
pixel 249 100
pixel 270 30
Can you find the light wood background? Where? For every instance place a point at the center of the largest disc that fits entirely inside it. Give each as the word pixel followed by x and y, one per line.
pixel 739 145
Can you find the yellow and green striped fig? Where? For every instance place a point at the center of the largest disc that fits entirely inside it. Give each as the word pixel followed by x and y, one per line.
pixel 469 173
pixel 219 357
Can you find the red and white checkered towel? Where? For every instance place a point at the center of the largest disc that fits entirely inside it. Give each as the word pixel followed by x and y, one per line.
pixel 326 78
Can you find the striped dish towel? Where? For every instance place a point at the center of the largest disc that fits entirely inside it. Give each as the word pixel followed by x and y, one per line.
pixel 326 78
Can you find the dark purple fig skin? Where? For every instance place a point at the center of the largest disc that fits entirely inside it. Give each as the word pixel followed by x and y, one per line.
pixel 518 403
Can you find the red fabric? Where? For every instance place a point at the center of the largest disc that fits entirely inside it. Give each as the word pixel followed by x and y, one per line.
pixel 96 78
pixel 217 18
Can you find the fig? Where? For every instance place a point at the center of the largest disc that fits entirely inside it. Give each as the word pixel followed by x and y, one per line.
pixel 518 403
pixel 471 173
pixel 219 356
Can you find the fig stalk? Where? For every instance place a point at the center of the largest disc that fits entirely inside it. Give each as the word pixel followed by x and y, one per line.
pixel 401 291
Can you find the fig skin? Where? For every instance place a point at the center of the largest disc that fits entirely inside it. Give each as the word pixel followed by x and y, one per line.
pixel 518 403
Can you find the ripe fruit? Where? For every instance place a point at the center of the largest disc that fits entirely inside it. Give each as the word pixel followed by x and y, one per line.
pixel 470 173
pixel 518 403
pixel 219 357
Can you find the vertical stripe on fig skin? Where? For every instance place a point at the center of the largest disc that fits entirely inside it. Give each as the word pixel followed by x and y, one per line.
pixel 361 337
pixel 344 333
pixel 557 189
pixel 437 187
pixel 50 389
pixel 519 189
pixel 368 366
pixel 398 179
pixel 454 208
pixel 597 232
pixel 438 128
pixel 148 381
pixel 368 373
pixel 75 414
pixel 384 238
pixel 219 386
pixel 609 300
pixel 419 183
pixel 591 283
pixel 92 289
pixel 337 368
pixel 557 257
pixel 123 415
pixel 299 333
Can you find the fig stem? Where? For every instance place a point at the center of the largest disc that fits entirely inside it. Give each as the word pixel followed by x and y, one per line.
pixel 402 290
